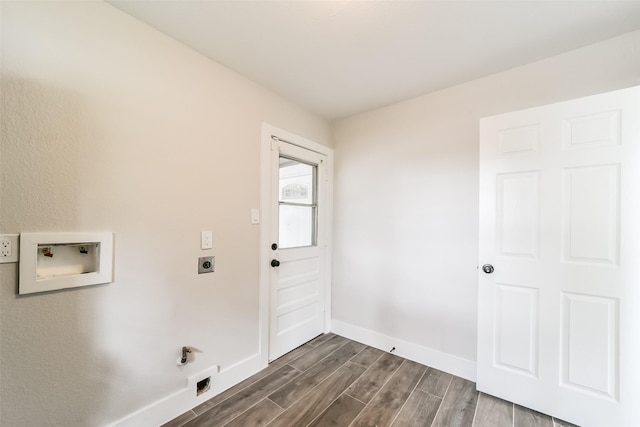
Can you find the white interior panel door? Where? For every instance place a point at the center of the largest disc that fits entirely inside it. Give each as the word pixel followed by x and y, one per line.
pixel 297 275
pixel 558 317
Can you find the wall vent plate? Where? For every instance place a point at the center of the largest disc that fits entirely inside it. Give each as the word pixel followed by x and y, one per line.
pixel 206 264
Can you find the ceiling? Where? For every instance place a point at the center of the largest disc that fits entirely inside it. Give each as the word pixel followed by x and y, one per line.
pixel 338 58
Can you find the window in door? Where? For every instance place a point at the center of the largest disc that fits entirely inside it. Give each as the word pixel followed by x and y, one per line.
pixel 298 205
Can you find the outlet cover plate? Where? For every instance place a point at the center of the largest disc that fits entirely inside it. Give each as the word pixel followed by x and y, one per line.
pixel 206 264
pixel 9 248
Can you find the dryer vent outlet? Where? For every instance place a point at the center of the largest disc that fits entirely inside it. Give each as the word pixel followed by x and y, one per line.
pixel 203 386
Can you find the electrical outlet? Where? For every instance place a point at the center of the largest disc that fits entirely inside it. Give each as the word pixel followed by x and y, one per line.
pixel 5 248
pixel 9 248
pixel 206 264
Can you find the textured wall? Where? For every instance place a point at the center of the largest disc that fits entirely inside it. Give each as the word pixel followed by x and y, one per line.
pixel 109 125
pixel 406 195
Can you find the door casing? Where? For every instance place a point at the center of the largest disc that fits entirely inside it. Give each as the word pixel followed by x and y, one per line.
pixel 268 131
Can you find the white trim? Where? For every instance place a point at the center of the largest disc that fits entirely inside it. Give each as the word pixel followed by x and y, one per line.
pixel 268 131
pixel 177 403
pixel 328 201
pixel 427 356
pixel 265 221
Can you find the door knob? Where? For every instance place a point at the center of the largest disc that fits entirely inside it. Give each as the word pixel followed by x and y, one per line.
pixel 487 268
pixel 275 263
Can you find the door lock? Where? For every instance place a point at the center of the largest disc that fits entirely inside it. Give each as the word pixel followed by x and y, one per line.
pixel 487 268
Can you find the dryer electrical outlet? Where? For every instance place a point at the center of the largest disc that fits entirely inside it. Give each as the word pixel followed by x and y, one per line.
pixel 206 264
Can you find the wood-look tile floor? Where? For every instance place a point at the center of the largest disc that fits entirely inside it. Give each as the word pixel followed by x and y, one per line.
pixel 334 381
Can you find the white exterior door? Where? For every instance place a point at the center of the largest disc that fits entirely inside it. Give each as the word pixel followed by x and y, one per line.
pixel 559 318
pixel 297 251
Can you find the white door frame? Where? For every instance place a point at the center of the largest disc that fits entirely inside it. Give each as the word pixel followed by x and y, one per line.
pixel 265 230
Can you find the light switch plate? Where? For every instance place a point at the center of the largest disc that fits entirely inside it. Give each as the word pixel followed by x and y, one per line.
pixel 255 216
pixel 206 239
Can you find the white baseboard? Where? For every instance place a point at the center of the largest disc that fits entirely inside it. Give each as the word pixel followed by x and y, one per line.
pixel 427 356
pixel 177 403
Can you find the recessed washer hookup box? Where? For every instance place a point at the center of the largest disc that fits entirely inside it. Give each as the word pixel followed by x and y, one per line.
pixel 51 261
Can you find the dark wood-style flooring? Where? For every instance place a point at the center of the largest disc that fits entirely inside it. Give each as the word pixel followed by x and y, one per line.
pixel 334 381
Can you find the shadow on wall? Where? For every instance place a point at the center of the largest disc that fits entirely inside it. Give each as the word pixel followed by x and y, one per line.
pixel 51 370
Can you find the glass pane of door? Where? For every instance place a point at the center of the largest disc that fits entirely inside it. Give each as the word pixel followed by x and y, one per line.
pixel 297 204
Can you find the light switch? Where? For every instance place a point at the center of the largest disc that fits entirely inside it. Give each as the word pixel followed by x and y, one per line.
pixel 206 240
pixel 255 216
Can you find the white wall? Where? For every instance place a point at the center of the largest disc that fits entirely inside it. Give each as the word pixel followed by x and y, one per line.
pixel 109 125
pixel 406 201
